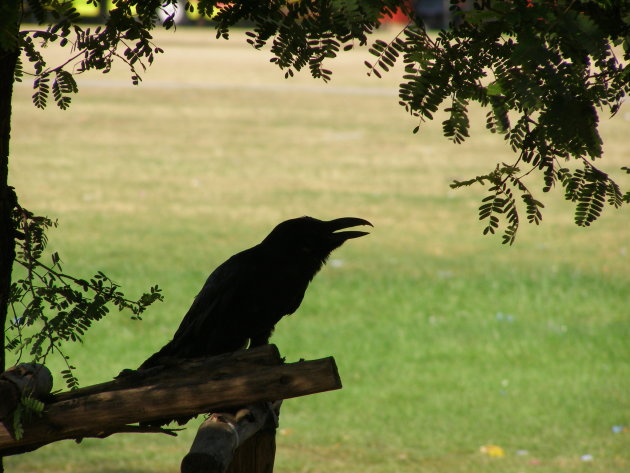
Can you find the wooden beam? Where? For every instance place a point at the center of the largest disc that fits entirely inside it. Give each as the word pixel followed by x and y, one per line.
pixel 170 395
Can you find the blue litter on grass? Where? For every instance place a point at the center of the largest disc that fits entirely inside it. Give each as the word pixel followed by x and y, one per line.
pixel 504 317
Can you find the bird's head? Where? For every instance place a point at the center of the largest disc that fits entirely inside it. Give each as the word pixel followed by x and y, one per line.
pixel 313 237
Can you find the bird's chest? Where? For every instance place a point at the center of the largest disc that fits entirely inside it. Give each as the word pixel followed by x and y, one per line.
pixel 285 282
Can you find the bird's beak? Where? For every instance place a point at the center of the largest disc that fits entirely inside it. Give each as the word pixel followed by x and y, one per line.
pixel 346 222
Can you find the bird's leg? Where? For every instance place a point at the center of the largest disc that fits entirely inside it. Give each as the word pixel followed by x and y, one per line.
pixel 260 338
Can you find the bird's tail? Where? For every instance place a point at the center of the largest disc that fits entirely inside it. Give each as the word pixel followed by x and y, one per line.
pixel 158 357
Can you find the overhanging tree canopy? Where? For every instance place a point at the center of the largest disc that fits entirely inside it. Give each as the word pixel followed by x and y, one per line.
pixel 544 70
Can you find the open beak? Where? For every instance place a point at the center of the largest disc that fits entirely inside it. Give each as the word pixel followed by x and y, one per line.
pixel 346 222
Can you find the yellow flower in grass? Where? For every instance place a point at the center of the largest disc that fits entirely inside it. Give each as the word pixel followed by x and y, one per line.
pixel 493 451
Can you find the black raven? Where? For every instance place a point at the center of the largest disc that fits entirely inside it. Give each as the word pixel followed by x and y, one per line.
pixel 244 298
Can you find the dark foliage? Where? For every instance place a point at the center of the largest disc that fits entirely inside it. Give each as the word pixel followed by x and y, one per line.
pixel 544 69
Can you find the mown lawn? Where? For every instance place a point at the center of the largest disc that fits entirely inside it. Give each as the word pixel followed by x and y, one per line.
pixel 446 340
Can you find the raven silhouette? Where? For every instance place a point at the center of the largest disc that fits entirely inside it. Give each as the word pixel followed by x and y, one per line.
pixel 244 298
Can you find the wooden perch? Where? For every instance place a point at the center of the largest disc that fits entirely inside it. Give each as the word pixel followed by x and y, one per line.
pixel 216 367
pixel 185 389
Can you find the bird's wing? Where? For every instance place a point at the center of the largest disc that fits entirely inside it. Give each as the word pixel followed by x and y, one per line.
pixel 217 319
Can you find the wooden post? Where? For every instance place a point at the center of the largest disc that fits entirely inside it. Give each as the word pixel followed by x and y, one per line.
pixel 9 398
pixel 257 454
pixel 226 440
pixel 26 379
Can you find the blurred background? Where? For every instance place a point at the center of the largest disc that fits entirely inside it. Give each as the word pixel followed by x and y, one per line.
pixel 435 13
pixel 457 353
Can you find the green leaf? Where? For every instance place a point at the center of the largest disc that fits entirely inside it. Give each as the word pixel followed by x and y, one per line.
pixel 494 88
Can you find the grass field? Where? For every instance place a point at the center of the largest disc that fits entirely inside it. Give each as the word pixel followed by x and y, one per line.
pixel 446 340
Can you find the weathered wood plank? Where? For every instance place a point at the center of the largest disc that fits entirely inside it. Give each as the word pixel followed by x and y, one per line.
pixel 168 396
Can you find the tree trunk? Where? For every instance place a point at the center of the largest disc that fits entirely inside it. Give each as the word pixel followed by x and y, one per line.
pixel 8 60
pixel 8 57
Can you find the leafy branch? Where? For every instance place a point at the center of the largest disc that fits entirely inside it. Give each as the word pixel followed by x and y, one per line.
pixel 92 49
pixel 26 410
pixel 544 70
pixel 51 307
pixel 301 34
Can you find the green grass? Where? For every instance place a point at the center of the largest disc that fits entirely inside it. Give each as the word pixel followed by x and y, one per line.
pixel 445 340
